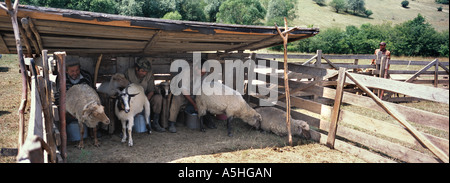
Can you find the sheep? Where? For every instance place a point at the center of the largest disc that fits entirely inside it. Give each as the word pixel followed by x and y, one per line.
pixel 131 101
pixel 274 120
pixel 118 81
pixel 231 105
pixel 83 103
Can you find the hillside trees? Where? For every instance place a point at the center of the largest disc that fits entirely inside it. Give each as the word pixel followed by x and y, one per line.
pixel 412 38
pixel 278 9
pixel 338 5
pixel 247 12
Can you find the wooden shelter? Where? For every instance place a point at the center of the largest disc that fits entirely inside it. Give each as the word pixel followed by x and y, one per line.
pixel 81 32
pixel 116 40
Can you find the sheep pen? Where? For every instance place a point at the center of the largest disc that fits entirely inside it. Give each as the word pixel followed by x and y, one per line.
pixel 184 146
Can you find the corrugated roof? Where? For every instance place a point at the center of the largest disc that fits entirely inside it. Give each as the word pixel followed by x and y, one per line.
pixel 81 32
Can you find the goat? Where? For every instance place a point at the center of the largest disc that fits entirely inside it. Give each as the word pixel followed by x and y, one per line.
pixel 83 103
pixel 164 89
pixel 128 105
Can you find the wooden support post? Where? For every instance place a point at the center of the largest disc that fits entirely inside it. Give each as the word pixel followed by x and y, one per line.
pixel 286 80
pixel 436 76
pixel 336 108
pixel 12 11
pixel 36 34
pixel 97 66
pixel 383 73
pixel 46 105
pixel 29 34
pixel 61 58
pixel 318 64
pixel 355 70
pixel 396 115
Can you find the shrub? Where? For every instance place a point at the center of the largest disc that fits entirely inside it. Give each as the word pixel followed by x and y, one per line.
pixel 405 4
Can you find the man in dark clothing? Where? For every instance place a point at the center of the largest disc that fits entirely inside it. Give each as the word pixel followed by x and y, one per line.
pixel 74 76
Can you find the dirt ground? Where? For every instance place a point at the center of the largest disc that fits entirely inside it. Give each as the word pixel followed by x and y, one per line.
pixel 213 146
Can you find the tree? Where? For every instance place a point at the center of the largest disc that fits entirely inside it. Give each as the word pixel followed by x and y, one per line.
pixel 174 15
pixel 416 37
pixel 157 9
pixel 320 2
pixel 247 12
pixel 102 6
pixel 211 9
pixel 356 5
pixel 405 4
pixel 368 13
pixel 191 10
pixel 338 5
pixel 130 7
pixel 278 9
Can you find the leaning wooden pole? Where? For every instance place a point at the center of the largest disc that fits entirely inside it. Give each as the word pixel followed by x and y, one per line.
pixel 12 11
pixel 284 36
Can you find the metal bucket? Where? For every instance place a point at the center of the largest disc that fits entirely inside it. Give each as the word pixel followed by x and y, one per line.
pixel 139 124
pixel 73 131
pixel 191 120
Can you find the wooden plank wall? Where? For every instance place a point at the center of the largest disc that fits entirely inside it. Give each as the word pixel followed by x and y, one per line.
pixel 385 137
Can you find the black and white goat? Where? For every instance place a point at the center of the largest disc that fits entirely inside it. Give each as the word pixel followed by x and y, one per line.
pixel 131 101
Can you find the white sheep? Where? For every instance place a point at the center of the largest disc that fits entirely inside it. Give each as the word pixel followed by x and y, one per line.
pixel 112 87
pixel 131 101
pixel 83 103
pixel 274 120
pixel 221 102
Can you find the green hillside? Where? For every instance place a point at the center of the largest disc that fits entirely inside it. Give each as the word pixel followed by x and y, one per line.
pixel 384 11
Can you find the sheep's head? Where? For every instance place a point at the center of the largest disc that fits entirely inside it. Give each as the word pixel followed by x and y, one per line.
pixel 95 113
pixel 119 80
pixel 254 119
pixel 302 128
pixel 124 100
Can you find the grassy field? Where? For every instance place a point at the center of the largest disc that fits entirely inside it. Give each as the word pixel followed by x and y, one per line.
pixel 10 87
pixel 384 11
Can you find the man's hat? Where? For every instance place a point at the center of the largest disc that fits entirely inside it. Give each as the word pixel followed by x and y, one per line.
pixel 144 63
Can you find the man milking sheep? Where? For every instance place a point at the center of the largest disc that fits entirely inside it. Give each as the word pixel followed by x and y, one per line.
pixel 142 74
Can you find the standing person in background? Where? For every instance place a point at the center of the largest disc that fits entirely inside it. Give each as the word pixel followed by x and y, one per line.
pixel 385 53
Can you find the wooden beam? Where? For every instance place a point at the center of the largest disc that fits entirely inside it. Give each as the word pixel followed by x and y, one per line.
pixel 36 34
pixel 251 44
pixel 152 41
pixel 413 90
pixel 29 34
pixel 419 136
pixel 336 108
pixel 421 71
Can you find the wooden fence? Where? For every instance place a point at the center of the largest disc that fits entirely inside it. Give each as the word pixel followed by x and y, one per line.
pixel 376 139
pixel 432 73
pixel 401 134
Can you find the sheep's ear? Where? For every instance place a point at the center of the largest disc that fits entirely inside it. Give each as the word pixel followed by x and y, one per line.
pixel 133 95
pixel 86 112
